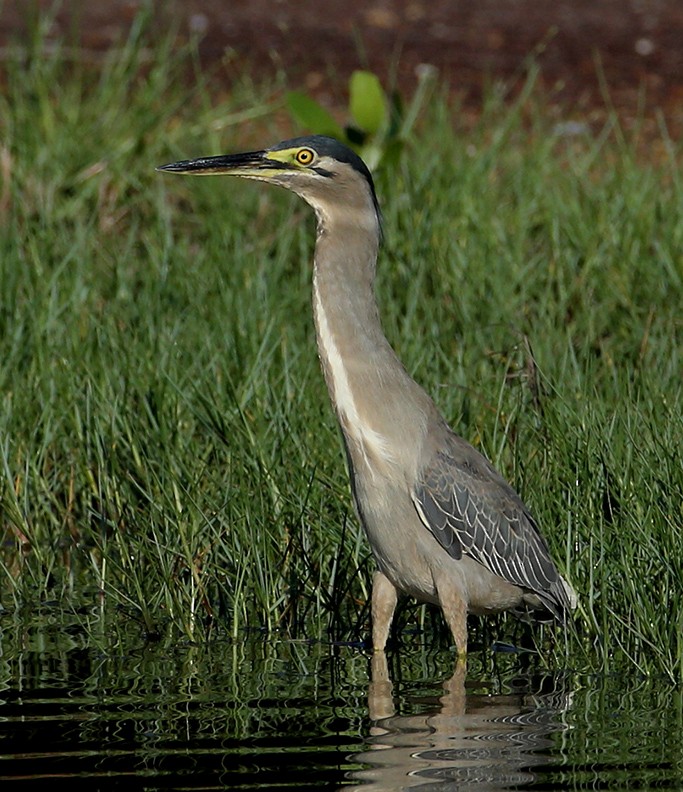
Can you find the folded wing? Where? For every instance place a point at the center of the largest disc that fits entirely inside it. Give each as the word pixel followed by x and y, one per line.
pixel 473 511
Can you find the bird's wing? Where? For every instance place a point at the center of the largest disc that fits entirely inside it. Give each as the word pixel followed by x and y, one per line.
pixel 473 511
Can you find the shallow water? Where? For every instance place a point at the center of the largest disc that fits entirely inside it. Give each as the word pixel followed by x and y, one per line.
pixel 274 714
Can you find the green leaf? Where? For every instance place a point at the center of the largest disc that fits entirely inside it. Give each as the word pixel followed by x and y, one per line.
pixel 367 102
pixel 309 114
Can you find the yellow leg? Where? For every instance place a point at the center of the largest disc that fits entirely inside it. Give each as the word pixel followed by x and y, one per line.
pixel 383 604
pixel 454 700
pixel 380 700
pixel 454 610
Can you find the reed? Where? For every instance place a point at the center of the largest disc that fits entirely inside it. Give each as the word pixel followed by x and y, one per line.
pixel 167 450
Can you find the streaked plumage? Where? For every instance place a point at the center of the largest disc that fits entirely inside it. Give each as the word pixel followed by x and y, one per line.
pixel 473 511
pixel 443 524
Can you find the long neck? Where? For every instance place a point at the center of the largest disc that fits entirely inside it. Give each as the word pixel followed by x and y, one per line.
pixel 344 303
pixel 376 401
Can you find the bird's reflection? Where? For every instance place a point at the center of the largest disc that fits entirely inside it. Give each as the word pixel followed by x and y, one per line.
pixel 468 742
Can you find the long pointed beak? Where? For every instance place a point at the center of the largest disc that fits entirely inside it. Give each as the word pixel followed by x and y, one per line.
pixel 252 163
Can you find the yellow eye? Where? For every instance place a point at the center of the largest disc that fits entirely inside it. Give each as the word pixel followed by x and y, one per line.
pixel 304 156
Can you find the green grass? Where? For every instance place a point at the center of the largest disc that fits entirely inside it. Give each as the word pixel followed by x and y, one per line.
pixel 167 450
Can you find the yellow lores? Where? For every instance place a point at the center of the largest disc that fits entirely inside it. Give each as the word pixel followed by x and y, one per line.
pixel 443 525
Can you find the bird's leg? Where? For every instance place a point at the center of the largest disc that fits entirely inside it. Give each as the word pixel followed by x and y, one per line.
pixel 383 604
pixel 454 700
pixel 380 694
pixel 454 610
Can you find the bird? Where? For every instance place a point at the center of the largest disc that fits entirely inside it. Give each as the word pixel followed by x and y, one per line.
pixel 442 523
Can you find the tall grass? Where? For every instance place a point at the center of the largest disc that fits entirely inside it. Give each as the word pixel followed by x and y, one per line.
pixel 167 450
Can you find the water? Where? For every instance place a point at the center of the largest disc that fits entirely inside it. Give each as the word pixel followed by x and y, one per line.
pixel 273 714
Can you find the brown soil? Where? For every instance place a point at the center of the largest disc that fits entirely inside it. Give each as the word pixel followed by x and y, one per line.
pixel 635 46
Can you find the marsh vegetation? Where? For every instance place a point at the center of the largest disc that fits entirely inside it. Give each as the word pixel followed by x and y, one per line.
pixel 168 455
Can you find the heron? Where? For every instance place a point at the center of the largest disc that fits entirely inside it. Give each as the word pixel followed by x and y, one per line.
pixel 443 525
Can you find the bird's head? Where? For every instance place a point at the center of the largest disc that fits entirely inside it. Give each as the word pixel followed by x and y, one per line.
pixel 328 175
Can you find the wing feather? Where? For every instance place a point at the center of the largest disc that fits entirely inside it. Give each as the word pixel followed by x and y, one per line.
pixel 473 511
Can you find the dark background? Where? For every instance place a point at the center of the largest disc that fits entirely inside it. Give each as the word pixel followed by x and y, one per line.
pixel 635 46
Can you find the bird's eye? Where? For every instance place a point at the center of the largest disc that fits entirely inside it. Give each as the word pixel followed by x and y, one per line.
pixel 304 156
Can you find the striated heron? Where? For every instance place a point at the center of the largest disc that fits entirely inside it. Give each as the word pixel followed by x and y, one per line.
pixel 443 524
